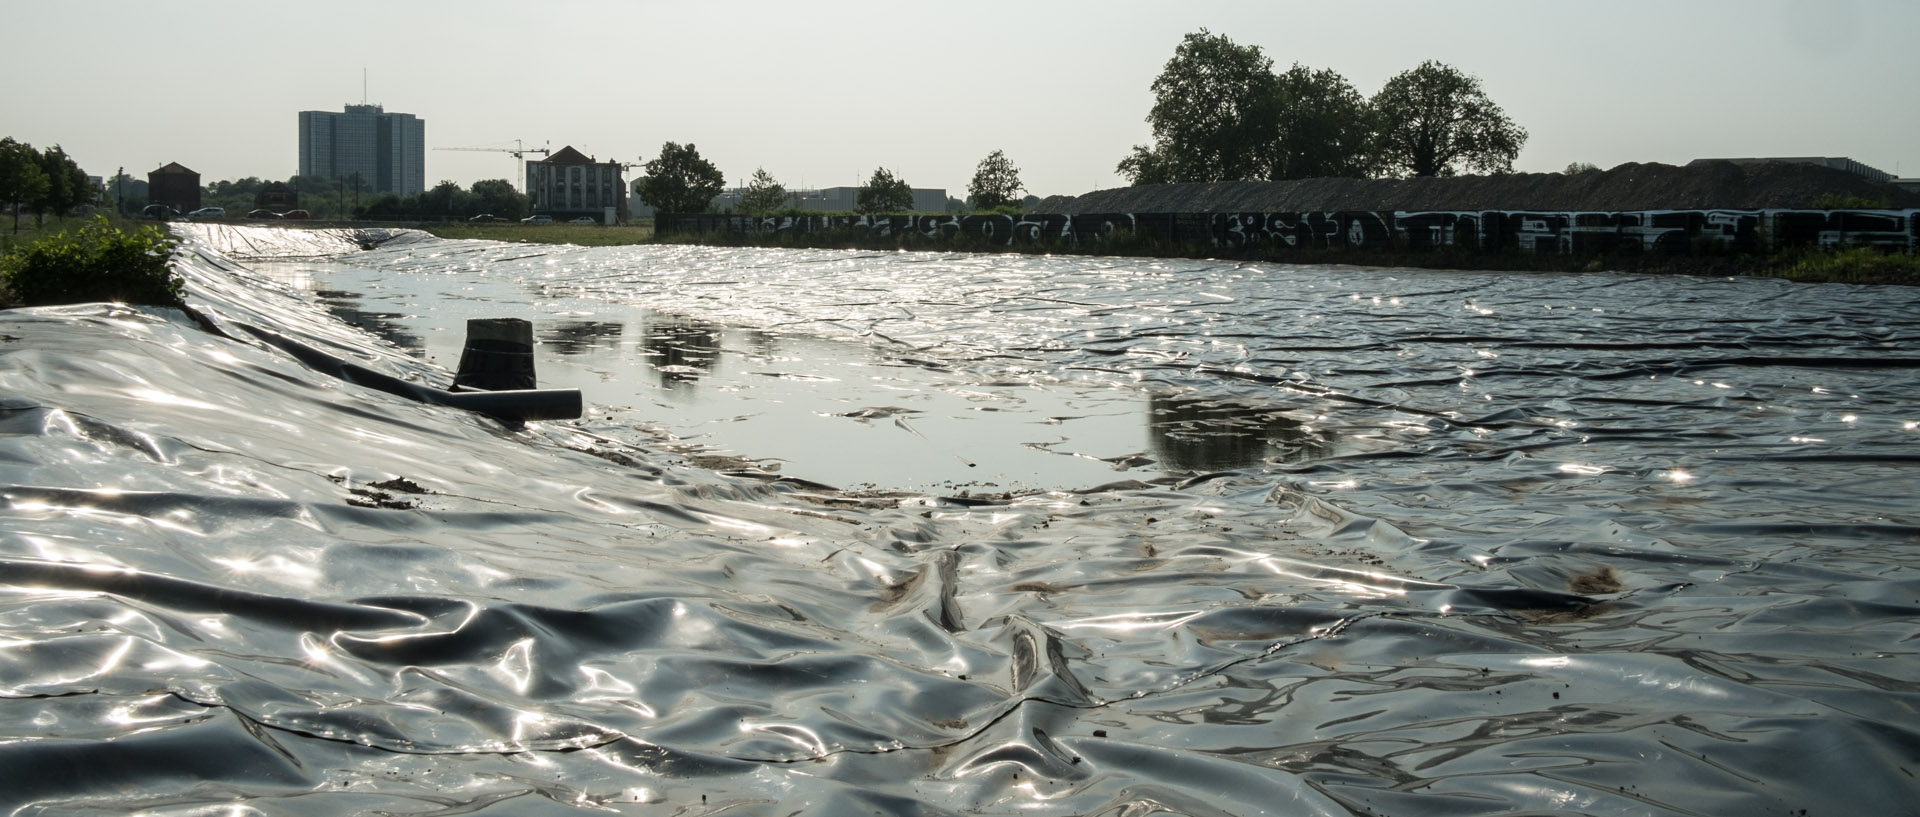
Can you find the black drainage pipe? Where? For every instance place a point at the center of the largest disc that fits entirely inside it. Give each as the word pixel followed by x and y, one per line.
pixel 519 405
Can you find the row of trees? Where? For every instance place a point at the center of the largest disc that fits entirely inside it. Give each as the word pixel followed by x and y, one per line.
pixel 493 197
pixel 43 181
pixel 325 197
pixel 680 181
pixel 1221 113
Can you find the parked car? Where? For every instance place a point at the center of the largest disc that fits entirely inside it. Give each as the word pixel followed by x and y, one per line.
pixel 483 218
pixel 262 214
pixel 584 220
pixel 296 214
pixel 537 220
pixel 208 212
pixel 159 211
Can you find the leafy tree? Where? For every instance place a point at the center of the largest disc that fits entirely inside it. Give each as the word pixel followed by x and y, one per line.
pixel 884 194
pixel 386 205
pixel 1324 128
pixel 21 179
pixel 321 195
pixel 67 184
pixel 679 181
pixel 1577 168
pixel 496 197
pixel 1435 120
pixel 444 200
pixel 1145 166
pixel 130 193
pixel 996 183
pixel 245 188
pixel 763 195
pixel 237 195
pixel 1214 115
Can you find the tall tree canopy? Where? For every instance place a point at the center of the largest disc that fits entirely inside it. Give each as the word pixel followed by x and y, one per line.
pixel 996 183
pixel 21 179
pixel 884 194
pixel 1221 114
pixel 679 181
pixel 1435 120
pixel 764 195
pixel 67 184
pixel 1324 128
pixel 1213 115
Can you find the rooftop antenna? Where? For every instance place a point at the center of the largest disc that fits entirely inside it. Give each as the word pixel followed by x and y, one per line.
pixel 363 85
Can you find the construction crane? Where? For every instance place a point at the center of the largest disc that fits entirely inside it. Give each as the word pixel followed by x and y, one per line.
pixel 519 151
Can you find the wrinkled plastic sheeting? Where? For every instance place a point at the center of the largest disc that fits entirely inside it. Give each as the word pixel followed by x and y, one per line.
pixel 231 582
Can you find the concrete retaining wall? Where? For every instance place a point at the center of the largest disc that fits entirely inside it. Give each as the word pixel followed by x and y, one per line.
pixel 1668 231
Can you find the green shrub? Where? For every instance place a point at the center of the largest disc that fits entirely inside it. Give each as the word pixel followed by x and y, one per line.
pixel 98 263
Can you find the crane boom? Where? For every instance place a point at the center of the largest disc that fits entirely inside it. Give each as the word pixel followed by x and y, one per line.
pixel 519 151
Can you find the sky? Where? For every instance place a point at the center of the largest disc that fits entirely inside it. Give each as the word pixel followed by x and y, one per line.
pixel 821 94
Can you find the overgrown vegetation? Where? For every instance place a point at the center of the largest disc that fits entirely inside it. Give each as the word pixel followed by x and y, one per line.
pixel 97 262
pixel 1854 265
pixel 1842 201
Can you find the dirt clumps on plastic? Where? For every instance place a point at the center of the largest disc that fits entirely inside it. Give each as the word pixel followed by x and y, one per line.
pixel 1600 580
pixel 1700 185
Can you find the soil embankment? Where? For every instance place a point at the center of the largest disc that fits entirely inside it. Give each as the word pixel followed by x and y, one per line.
pixel 1707 185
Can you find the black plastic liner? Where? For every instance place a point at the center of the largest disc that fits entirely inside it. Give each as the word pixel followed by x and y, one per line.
pixel 1595 545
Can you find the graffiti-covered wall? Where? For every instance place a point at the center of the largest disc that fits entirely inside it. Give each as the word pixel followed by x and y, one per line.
pixel 1669 231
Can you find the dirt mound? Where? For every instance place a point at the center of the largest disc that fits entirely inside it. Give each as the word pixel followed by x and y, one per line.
pixel 1708 185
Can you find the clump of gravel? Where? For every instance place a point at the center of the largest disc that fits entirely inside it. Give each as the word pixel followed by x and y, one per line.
pixel 1702 185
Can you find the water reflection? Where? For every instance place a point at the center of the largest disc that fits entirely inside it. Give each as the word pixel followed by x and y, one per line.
pixel 681 350
pixel 346 306
pixel 760 343
pixel 582 337
pixel 1221 435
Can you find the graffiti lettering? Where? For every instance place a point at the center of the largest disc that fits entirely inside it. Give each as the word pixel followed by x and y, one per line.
pixel 1663 231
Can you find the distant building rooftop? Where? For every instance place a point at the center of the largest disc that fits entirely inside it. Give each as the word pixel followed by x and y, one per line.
pixel 1835 162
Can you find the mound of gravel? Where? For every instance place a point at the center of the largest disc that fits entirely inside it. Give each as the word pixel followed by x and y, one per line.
pixel 1704 185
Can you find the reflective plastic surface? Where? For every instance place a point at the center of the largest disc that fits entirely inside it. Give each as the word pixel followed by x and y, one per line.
pixel 1358 542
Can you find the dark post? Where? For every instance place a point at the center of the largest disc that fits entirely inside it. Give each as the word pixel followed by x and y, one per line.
pixel 498 355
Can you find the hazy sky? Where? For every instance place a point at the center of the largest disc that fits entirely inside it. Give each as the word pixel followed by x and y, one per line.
pixel 821 93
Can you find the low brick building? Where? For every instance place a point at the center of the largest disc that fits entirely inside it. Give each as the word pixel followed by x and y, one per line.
pixel 175 186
